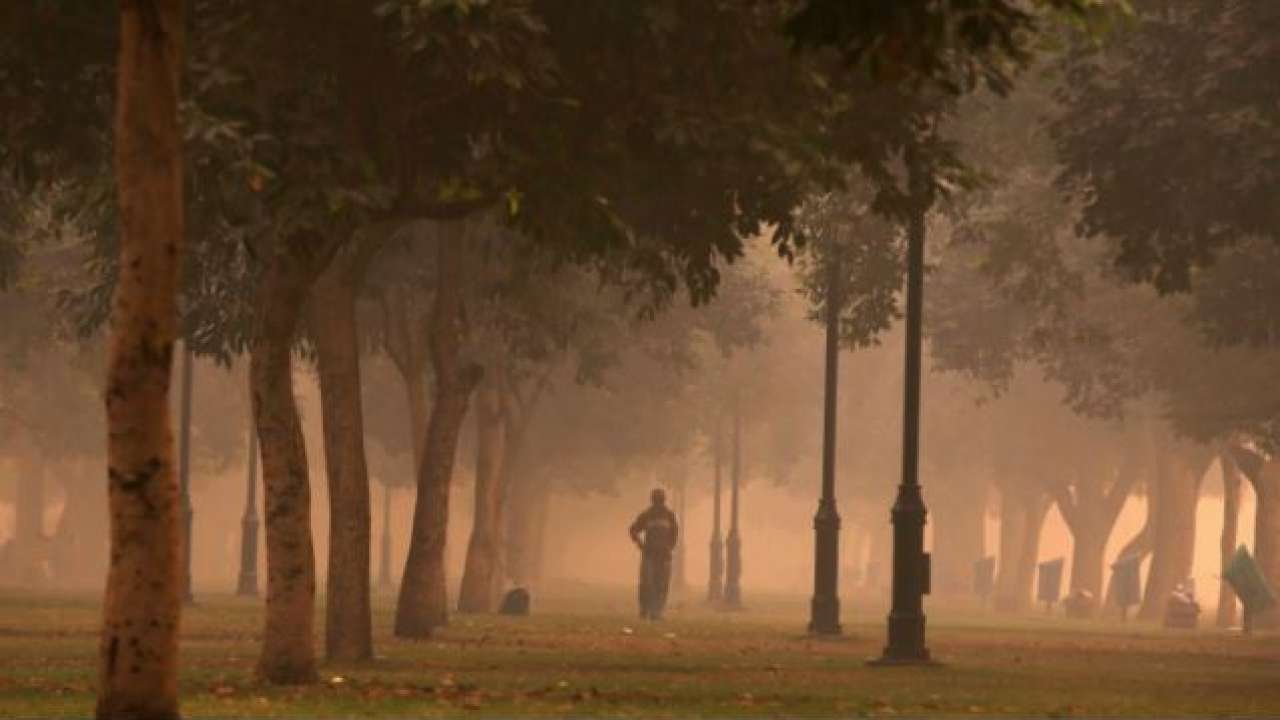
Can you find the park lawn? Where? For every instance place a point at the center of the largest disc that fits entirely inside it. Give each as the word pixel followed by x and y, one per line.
pixel 589 657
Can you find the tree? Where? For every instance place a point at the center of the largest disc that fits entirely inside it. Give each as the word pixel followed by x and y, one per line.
pixel 142 605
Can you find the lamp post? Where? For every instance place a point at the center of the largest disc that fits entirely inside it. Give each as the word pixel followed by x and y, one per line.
pixel 733 543
pixel 715 584
pixel 824 616
pixel 184 470
pixel 248 582
pixel 906 642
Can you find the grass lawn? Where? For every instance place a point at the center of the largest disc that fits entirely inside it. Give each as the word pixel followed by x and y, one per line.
pixel 587 656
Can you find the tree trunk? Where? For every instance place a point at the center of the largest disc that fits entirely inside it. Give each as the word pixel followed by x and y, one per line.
pixel 30 549
pixel 142 605
pixel 1266 539
pixel 78 549
pixel 348 619
pixel 1037 510
pixel 406 344
pixel 423 601
pixel 525 521
pixel 1088 556
pixel 958 542
pixel 1022 515
pixel 1230 530
pixel 478 579
pixel 288 652
pixel 1173 531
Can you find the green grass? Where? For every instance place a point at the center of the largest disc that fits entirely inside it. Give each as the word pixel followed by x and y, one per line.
pixel 574 658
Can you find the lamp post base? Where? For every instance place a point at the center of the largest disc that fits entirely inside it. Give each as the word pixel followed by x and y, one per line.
pixel 825 612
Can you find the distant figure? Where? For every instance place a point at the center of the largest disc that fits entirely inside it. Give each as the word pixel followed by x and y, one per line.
pixel 515 602
pixel 655 532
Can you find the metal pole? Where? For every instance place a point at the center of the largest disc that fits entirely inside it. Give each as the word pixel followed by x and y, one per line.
pixel 184 469
pixel 906 644
pixel 824 616
pixel 733 544
pixel 715 585
pixel 248 584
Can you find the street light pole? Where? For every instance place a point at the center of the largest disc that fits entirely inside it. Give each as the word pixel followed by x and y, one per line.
pixel 906 643
pixel 715 584
pixel 733 544
pixel 248 583
pixel 184 470
pixel 824 616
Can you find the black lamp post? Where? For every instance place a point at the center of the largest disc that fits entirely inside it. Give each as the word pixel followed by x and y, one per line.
pixel 184 470
pixel 715 583
pixel 733 543
pixel 824 616
pixel 906 644
pixel 248 582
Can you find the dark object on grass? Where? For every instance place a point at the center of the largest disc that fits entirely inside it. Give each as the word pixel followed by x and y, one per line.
pixel 1126 581
pixel 1182 611
pixel 1049 588
pixel 1250 584
pixel 515 602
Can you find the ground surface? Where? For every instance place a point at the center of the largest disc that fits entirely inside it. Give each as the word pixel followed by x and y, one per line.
pixel 589 657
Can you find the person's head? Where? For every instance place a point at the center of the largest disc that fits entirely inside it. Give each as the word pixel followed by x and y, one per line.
pixel 658 497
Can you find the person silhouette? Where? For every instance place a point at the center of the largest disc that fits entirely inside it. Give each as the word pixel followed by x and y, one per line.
pixel 655 531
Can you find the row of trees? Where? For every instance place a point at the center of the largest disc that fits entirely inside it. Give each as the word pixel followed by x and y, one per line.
pixel 451 181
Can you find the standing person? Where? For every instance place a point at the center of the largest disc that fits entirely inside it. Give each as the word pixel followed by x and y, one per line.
pixel 655 532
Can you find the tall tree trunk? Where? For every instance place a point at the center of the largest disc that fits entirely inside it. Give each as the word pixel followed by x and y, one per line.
pixel 142 605
pixel 78 552
pixel 526 521
pixel 1230 530
pixel 407 341
pixel 1088 555
pixel 1173 529
pixel 1090 507
pixel 476 594
pixel 29 543
pixel 423 601
pixel 1022 515
pixel 1037 509
pixel 1266 539
pixel 348 618
pixel 679 582
pixel 288 652
pixel 958 542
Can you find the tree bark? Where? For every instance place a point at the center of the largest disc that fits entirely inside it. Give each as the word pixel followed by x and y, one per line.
pixel 1037 509
pixel 1022 515
pixel 142 605
pixel 78 551
pixel 423 601
pixel 478 579
pixel 348 617
pixel 958 543
pixel 525 522
pixel 1090 507
pixel 30 546
pixel 288 652
pixel 1266 539
pixel 1173 528
pixel 1230 530
pixel 407 345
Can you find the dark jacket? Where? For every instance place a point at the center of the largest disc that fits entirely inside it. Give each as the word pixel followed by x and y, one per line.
pixel 659 529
